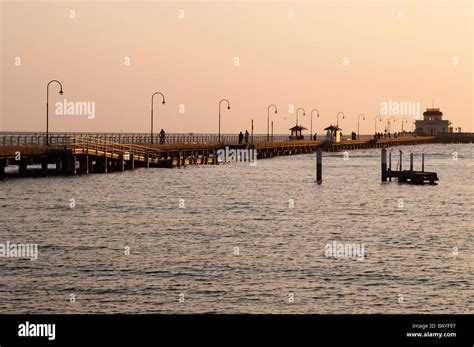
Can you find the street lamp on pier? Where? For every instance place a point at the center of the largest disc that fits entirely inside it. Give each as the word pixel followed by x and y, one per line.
pixel 304 114
pixel 228 107
pixel 358 120
pixel 406 121
pixel 337 118
pixel 163 102
pixel 47 106
pixel 312 120
pixel 268 120
pixel 380 119
pixel 389 123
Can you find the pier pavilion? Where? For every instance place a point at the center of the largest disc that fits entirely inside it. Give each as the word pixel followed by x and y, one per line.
pixel 432 123
pixel 296 132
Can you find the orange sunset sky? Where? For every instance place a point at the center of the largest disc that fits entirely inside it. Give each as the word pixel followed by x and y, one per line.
pixel 333 56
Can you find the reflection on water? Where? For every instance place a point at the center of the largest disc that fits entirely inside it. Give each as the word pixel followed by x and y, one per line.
pixel 236 238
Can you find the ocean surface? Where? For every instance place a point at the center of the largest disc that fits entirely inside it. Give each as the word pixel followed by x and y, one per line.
pixel 236 238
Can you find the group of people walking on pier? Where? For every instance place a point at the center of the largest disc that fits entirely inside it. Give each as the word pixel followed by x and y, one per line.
pixel 387 135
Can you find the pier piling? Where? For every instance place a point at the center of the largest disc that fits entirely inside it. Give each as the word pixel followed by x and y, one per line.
pixel 384 165
pixel 389 166
pixel 2 167
pixel 319 165
pixel 44 166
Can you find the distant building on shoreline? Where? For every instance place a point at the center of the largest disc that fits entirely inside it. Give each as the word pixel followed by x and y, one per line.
pixel 432 123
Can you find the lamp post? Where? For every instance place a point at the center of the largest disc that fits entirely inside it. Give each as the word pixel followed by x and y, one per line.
pixel 304 114
pixel 406 121
pixel 380 119
pixel 337 118
pixel 163 102
pixel 228 107
pixel 358 120
pixel 47 106
pixel 268 119
pixel 252 131
pixel 312 120
pixel 389 124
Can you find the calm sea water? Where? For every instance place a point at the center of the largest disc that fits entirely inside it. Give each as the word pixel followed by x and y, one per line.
pixel 417 258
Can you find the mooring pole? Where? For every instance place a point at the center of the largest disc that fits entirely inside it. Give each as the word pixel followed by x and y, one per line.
pixel 384 165
pixel 411 161
pixel 423 162
pixel 319 165
pixel 390 166
pixel 400 171
pixel 401 154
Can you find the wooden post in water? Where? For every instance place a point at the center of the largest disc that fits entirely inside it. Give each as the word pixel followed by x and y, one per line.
pixel 400 171
pixel 2 167
pixel 384 165
pixel 389 166
pixel 44 166
pixel 71 165
pixel 319 165
pixel 104 164
pixel 85 164
pixel 58 165
pixel 122 162
pixel 423 162
pixel 401 158
pixel 22 167
pixel 411 161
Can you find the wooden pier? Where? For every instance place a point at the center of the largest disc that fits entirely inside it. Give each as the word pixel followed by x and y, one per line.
pixel 82 154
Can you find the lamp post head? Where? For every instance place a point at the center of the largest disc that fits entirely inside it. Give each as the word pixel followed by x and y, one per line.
pixel 276 111
pixel 228 107
pixel 61 92
pixel 163 102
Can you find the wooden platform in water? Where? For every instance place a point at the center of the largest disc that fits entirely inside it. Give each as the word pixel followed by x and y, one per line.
pixel 413 177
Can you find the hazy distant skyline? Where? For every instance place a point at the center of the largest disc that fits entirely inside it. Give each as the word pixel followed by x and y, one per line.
pixel 332 56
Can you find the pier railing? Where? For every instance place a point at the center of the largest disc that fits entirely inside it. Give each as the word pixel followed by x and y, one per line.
pixel 87 145
pixel 57 139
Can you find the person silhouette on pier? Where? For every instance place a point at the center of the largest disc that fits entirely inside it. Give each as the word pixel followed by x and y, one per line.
pixel 241 137
pixel 162 136
pixel 246 137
